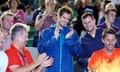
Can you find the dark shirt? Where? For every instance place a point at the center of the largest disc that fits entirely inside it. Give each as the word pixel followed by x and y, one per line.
pixel 103 26
pixel 89 44
pixel 36 12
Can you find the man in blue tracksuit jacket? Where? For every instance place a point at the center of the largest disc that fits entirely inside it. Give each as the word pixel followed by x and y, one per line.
pixel 60 42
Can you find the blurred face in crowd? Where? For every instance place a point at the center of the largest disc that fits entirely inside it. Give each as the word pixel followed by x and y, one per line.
pixel 109 41
pixel 13 4
pixel 64 19
pixel 88 23
pixel 111 16
pixel 50 5
pixel 88 2
pixel 7 22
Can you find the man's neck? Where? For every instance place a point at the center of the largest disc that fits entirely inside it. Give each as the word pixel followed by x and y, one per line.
pixel 20 48
pixel 14 10
pixel 59 26
pixel 108 52
pixel 5 31
pixel 93 32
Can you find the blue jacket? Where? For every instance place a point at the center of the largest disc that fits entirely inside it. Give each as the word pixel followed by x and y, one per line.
pixel 60 49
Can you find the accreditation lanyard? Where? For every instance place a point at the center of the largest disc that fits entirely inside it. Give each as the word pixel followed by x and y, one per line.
pixel 23 59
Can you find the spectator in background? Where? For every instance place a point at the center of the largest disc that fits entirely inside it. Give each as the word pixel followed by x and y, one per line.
pixel 29 14
pixel 19 15
pixel 20 59
pixel 39 10
pixel 3 6
pixel 48 17
pixel 111 21
pixel 79 5
pixel 3 56
pixel 44 20
pixel 60 42
pixel 108 58
pixel 116 21
pixel 84 6
pixel 110 14
pixel 6 23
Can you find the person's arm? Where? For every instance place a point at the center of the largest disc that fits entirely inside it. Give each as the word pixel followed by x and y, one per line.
pixel 47 62
pixel 72 41
pixel 39 21
pixel 30 67
pixel 101 20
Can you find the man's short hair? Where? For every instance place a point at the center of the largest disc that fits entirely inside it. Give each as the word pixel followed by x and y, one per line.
pixel 65 9
pixel 86 14
pixel 108 31
pixel 18 28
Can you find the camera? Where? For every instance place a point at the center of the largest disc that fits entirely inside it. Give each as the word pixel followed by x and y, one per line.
pixel 16 17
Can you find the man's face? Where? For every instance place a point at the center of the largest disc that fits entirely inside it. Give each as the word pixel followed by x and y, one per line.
pixel 1 42
pixel 88 23
pixel 111 16
pixel 23 38
pixel 64 19
pixel 109 41
pixel 7 22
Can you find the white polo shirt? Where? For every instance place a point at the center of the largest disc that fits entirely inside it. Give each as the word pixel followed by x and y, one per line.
pixel 3 61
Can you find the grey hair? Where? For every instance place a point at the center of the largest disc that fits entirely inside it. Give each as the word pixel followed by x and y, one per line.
pixel 17 29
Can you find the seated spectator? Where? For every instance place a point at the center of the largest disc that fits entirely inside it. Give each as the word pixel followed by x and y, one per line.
pixel 18 13
pixel 108 58
pixel 46 19
pixel 6 23
pixel 116 20
pixel 20 59
pixel 28 14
